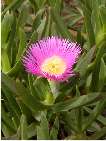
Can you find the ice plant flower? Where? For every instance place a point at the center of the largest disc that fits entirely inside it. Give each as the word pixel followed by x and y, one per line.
pixel 52 58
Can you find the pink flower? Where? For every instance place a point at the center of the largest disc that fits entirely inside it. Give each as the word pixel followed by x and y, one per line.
pixel 52 58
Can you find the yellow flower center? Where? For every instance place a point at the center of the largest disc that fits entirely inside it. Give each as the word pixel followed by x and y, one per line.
pixel 54 65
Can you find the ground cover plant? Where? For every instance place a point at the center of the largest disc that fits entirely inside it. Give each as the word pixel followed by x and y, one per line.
pixel 34 106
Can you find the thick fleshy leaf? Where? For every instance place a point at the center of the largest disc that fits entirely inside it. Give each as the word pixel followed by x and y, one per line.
pixel 8 126
pixel 60 25
pixel 43 128
pixel 22 44
pixel 77 102
pixel 84 61
pixel 13 5
pixel 6 27
pixel 23 127
pixel 96 70
pixel 24 94
pixel 98 135
pixel 96 111
pixel 54 130
pixel 100 118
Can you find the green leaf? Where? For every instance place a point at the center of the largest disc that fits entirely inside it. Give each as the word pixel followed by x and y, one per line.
pixel 7 121
pixel 100 118
pixel 37 19
pixel 71 23
pixel 60 25
pixel 34 4
pixel 13 4
pixel 102 74
pixel 31 86
pixel 23 127
pixel 41 28
pixel 16 68
pixel 84 61
pixel 43 129
pixel 6 131
pixel 96 19
pixel 22 44
pixel 87 18
pixel 56 4
pixel 31 130
pixel 66 88
pixel 48 24
pixel 41 88
pixel 54 130
pixel 12 103
pixel 96 111
pixel 6 66
pixel 54 87
pixel 69 119
pixel 98 135
pixel 23 93
pixel 25 110
pixel 96 68
pixel 23 16
pixel 40 3
pixel 78 113
pixel 101 36
pixel 11 44
pixel 77 102
pixel 6 27
pixel 103 16
pixel 34 37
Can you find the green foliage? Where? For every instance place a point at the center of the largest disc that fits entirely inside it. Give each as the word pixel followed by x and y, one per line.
pixel 43 129
pixel 35 108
